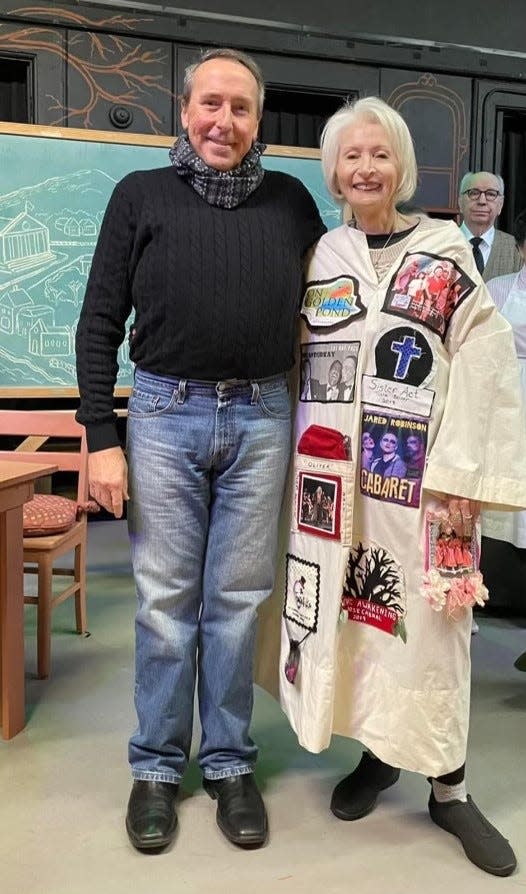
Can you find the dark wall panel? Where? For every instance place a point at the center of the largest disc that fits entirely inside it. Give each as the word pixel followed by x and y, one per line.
pixel 437 110
pixel 470 22
pixel 44 48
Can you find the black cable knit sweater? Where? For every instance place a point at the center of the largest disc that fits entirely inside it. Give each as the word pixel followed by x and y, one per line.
pixel 215 292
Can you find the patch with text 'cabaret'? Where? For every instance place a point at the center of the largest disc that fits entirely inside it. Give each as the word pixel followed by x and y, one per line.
pixel 393 457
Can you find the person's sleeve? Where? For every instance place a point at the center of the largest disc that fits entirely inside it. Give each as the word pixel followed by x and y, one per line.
pixel 312 226
pixel 498 287
pixel 480 449
pixel 101 328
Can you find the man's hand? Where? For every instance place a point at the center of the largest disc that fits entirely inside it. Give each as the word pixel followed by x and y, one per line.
pixel 108 479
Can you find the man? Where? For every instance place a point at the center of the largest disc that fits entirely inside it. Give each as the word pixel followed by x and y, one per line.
pixel 208 253
pixel 346 387
pixel 416 456
pixel 480 201
pixel 331 390
pixel 389 464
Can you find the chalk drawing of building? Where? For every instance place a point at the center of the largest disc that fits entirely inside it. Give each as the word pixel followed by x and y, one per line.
pixel 24 243
pixel 11 303
pixel 55 342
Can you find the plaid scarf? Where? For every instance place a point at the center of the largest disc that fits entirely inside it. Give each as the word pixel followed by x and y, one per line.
pixel 224 188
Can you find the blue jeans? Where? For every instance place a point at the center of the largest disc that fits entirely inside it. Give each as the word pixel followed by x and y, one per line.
pixel 207 468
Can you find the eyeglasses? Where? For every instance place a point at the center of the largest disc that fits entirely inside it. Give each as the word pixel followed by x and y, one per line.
pixel 490 194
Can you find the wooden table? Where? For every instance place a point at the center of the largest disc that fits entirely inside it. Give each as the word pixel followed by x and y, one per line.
pixel 16 488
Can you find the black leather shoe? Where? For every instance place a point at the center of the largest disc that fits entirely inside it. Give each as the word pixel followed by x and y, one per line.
pixel 151 819
pixel 241 814
pixel 357 794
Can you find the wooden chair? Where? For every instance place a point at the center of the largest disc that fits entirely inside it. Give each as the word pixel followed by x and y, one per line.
pixel 41 552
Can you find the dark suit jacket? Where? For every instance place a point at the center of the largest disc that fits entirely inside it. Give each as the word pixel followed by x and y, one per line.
pixel 341 392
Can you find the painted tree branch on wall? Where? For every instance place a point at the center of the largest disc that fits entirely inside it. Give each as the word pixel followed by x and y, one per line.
pixel 110 68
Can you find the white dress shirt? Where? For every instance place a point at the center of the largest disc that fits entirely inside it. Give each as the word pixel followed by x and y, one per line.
pixel 487 240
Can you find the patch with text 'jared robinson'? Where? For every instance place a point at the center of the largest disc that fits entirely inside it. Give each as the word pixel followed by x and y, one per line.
pixel 393 457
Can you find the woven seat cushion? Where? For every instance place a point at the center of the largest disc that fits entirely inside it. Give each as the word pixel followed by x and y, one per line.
pixel 48 514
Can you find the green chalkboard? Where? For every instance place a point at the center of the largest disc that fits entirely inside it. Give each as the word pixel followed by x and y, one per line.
pixel 54 187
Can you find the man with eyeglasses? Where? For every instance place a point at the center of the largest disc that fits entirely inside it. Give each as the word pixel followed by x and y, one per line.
pixel 480 201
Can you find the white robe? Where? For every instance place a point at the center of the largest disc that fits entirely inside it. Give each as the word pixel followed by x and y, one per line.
pixel 509 295
pixel 396 675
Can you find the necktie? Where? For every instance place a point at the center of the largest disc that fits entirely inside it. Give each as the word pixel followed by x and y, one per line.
pixel 477 254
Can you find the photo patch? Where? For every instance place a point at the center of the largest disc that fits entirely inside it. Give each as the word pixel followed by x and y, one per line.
pixel 318 507
pixel 328 302
pixel 451 544
pixel 393 457
pixel 302 594
pixel 374 590
pixel 328 371
pixel 428 289
pixel 403 354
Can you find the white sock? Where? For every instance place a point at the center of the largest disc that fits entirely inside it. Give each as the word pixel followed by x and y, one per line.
pixel 443 792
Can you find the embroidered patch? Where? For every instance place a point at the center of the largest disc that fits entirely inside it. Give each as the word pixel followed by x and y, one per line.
pixel 428 289
pixel 319 502
pixel 451 544
pixel 302 593
pixel 328 371
pixel 403 354
pixel 408 399
pixel 327 302
pixel 393 458
pixel 374 590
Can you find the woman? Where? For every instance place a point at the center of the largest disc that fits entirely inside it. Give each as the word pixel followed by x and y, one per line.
pixel 377 663
pixel 367 450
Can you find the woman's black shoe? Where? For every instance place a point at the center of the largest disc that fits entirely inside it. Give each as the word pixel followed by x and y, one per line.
pixel 357 794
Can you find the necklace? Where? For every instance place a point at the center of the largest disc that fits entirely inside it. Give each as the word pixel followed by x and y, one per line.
pixel 293 659
pixel 377 254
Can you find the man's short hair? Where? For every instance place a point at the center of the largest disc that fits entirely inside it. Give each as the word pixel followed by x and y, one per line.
pixel 233 56
pixel 466 178
pixel 373 110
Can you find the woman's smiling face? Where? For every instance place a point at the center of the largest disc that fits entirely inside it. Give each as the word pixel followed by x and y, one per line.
pixel 367 169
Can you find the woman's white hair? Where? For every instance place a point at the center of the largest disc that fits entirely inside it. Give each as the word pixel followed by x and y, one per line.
pixel 373 110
